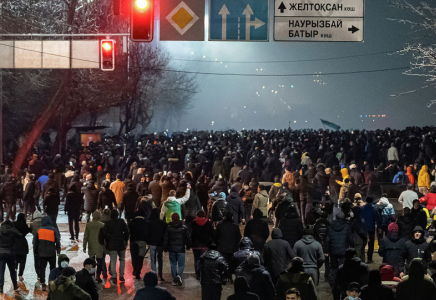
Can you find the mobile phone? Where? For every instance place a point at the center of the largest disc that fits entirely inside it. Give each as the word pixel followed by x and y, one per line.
pixel 172 148
pixel 71 163
pixel 165 172
pixel 220 176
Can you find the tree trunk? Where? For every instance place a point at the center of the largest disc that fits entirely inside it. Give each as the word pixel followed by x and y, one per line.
pixel 40 124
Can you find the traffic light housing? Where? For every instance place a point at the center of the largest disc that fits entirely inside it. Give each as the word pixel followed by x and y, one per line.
pixel 107 55
pixel 142 20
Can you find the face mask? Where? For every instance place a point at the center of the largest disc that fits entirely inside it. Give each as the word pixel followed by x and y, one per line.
pixel 353 298
pixel 92 271
pixel 64 264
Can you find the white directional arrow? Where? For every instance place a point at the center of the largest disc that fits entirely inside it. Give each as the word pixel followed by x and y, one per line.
pixel 248 12
pixel 224 12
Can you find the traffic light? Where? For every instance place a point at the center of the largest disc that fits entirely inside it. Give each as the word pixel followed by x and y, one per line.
pixel 107 55
pixel 141 21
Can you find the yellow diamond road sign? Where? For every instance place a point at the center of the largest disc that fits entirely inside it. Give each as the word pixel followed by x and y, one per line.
pixel 182 18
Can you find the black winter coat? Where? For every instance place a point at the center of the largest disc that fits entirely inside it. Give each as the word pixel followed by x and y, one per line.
pixel 259 280
pixel 192 206
pixel 107 198
pixel 258 232
pixel 219 210
pixel 352 270
pixel 176 238
pixel 8 238
pixel 292 228
pixel 320 232
pixel 156 231
pixel 377 292
pixel 29 193
pixel 416 249
pixel 339 237
pixel 245 250
pixel 227 235
pixel 201 233
pixel 277 254
pixel 212 267
pixel 85 281
pixel 138 230
pixel 21 245
pixel 236 207
pixel 281 210
pixel 73 204
pixel 129 203
pixel 91 197
pixel 116 234
pixel 153 293
pixel 9 191
pixel 406 224
pixel 391 249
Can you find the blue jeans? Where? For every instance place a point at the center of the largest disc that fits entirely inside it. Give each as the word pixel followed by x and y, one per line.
pixel 8 259
pixel 156 251
pixel 177 260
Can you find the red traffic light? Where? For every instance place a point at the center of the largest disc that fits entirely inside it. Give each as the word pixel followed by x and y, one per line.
pixel 107 55
pixel 142 20
pixel 106 46
pixel 141 4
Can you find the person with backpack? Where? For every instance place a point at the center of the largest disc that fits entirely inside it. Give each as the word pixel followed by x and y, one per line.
pixel 220 207
pixel 173 205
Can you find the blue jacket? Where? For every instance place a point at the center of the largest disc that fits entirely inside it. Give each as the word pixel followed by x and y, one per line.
pixel 371 216
pixel 401 177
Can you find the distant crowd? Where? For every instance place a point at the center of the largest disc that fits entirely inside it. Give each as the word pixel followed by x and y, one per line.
pixel 321 191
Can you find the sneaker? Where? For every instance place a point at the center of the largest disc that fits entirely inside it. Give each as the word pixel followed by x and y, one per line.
pixel 179 280
pixel 99 280
pixel 44 287
pixel 122 279
pixel 17 290
pixel 173 283
pixel 38 284
pixel 72 238
pixel 161 279
pixel 20 278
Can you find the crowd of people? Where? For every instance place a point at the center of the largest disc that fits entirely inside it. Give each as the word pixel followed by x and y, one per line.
pixel 216 193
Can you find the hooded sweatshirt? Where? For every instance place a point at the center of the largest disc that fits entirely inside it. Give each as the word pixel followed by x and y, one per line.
pixel 417 249
pixel 57 272
pixel 201 233
pixel 8 237
pixel 388 212
pixel 47 239
pixel 310 251
pixel 424 177
pixel 416 285
pixel 410 175
pixel 173 205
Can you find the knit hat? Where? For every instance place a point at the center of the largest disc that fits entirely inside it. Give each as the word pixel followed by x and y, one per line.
pixel 89 261
pixel 68 271
pixel 175 217
pixel 393 227
pixel 353 286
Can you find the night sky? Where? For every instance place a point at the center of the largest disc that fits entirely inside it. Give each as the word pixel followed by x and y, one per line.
pixel 236 102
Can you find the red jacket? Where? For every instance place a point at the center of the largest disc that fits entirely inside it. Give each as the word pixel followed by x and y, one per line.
pixel 430 201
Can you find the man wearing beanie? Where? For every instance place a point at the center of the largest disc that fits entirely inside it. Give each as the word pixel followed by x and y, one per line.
pixel 116 235
pixel 175 240
pixel 392 248
pixel 151 291
pixel 294 277
pixel 65 288
pixel 85 278
pixel 338 240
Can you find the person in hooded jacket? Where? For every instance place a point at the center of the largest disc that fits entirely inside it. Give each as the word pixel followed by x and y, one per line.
pixel 201 230
pixel 387 214
pixel 176 239
pixel 65 288
pixel 63 262
pixel 129 202
pixel 352 270
pixel 338 240
pixel 91 197
pixel 257 230
pixel 84 278
pixel 424 180
pixel 358 233
pixel 284 200
pixel 227 236
pixel 406 223
pixel 8 238
pixel 259 279
pixel 21 245
pixel 275 191
pixel 151 290
pixel 417 247
pixel 220 207
pixel 314 213
pixel 294 277
pixel 212 267
pixel 106 198
pixel 46 245
pixel 236 206
pixel 34 227
pixel 277 254
pixel 242 291
pixel 372 218
pixel 261 202
pixel 291 226
pixel 90 239
pixel 320 234
pixel 155 231
pixel 73 205
pixel 418 214
pixel 51 205
pixel 312 254
pixel 246 248
pixel 416 285
pixel 392 248
pixel 375 290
